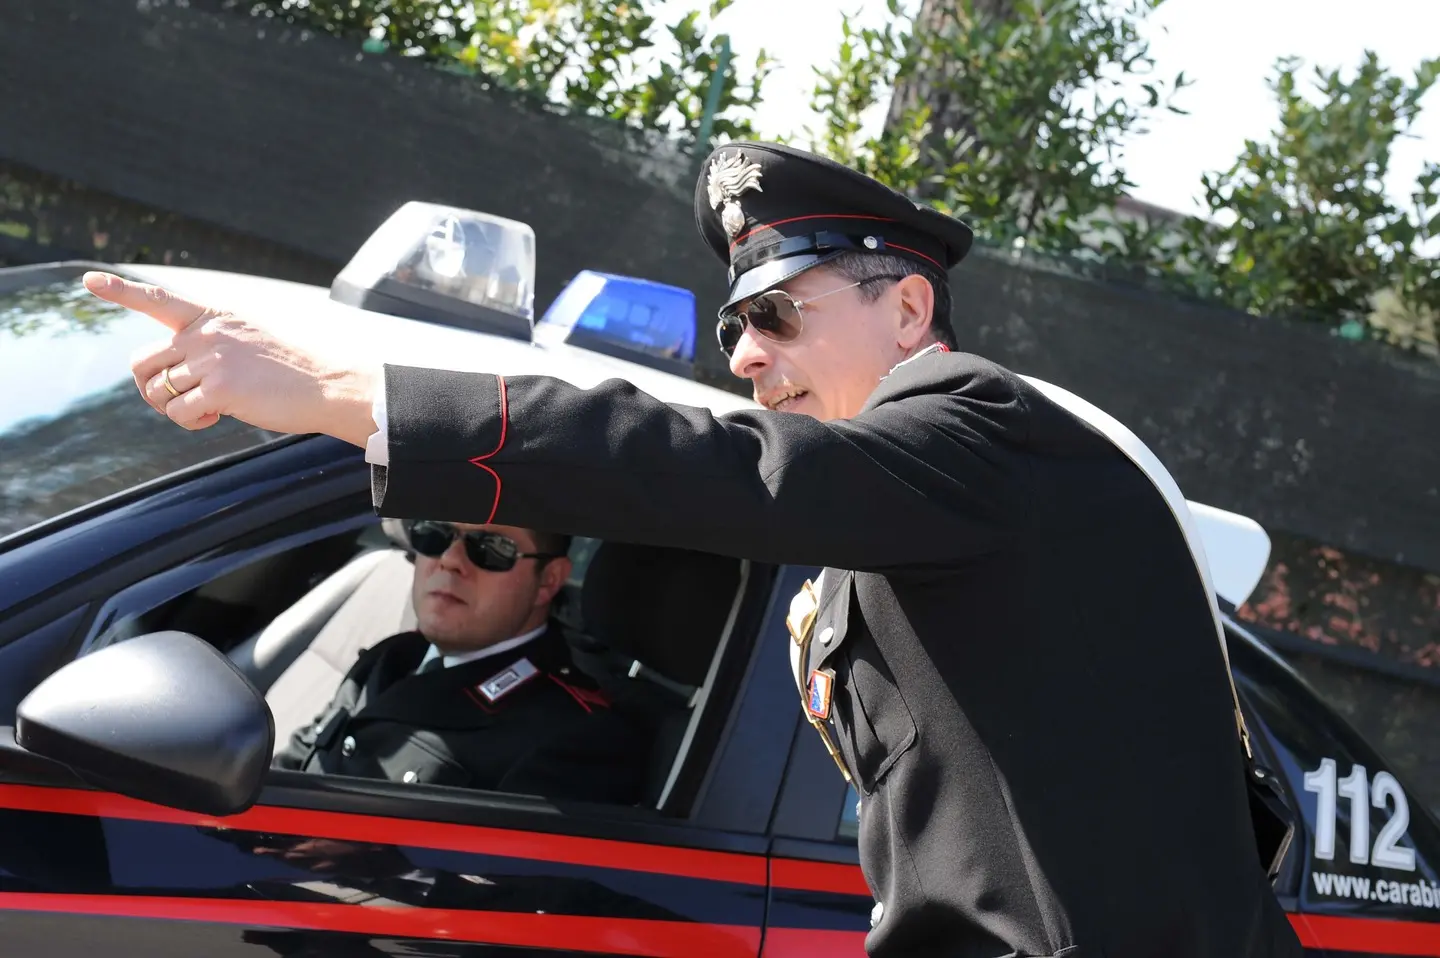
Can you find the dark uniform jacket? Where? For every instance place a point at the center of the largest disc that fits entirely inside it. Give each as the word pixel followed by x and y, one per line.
pixel 1027 685
pixel 548 731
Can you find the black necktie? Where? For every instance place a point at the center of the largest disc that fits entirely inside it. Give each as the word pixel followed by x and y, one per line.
pixel 432 664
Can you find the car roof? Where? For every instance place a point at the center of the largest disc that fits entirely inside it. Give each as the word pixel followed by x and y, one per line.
pixel 309 316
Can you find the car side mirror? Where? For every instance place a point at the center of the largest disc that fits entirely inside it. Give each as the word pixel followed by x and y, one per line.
pixel 162 717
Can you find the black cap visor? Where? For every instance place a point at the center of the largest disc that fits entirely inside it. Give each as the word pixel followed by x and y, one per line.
pixel 770 274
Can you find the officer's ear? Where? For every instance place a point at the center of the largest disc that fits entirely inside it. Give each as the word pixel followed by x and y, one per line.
pixel 553 576
pixel 916 307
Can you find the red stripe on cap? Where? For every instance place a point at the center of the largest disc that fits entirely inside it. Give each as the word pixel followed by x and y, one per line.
pixel 612 936
pixel 915 252
pixel 812 216
pixel 480 460
pixel 381 830
pixel 813 943
pixel 1372 935
pixel 818 876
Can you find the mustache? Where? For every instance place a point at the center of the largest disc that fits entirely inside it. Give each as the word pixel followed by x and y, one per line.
pixel 767 388
pixel 441 582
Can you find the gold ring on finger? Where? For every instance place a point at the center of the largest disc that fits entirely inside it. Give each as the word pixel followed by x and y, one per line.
pixel 165 381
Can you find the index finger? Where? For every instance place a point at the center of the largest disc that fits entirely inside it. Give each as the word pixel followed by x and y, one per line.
pixel 174 311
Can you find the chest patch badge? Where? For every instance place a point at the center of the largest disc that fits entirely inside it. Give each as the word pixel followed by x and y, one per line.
pixel 822 686
pixel 507 680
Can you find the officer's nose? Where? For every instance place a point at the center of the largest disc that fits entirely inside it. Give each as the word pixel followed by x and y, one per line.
pixel 454 558
pixel 750 357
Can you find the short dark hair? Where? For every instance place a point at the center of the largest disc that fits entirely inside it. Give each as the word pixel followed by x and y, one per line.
pixel 551 543
pixel 858 267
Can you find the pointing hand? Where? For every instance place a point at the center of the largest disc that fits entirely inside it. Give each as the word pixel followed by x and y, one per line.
pixel 216 364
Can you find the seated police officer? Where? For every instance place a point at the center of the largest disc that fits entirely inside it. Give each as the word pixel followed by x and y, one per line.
pixel 484 694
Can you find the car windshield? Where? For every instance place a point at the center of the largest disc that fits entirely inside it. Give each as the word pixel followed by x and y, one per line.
pixel 73 428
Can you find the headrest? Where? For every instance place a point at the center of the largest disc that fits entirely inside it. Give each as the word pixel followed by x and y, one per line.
pixel 394 530
pixel 665 607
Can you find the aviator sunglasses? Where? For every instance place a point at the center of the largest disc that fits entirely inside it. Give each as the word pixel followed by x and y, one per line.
pixel 774 314
pixel 486 550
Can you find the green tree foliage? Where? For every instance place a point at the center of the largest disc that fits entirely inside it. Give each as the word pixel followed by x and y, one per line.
pixel 1032 157
pixel 593 57
pixel 1014 113
pixel 1301 225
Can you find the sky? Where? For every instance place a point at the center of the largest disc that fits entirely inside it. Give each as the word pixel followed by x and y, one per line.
pixel 1228 47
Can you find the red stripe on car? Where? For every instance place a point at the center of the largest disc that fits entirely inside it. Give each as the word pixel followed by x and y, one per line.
pixel 482 840
pixel 818 876
pixel 620 936
pixel 1381 936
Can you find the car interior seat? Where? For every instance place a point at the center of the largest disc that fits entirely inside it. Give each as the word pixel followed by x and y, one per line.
pixel 300 659
pixel 653 618
pixel 645 622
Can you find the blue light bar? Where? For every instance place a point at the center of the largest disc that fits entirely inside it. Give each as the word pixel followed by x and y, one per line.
pixel 622 316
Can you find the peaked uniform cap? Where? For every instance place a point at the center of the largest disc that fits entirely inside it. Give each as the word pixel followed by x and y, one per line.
pixel 770 212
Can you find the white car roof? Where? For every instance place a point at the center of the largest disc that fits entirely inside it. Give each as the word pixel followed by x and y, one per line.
pixel 1237 547
pixel 307 315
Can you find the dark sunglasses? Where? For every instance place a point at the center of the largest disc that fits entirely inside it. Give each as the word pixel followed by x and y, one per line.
pixel 774 314
pixel 486 550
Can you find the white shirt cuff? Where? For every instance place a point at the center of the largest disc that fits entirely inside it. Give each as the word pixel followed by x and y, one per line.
pixel 377 448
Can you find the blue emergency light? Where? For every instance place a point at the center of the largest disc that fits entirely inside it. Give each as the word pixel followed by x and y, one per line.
pixel 474 270
pixel 637 320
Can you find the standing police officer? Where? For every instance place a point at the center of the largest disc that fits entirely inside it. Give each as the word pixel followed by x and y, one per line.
pixel 1012 650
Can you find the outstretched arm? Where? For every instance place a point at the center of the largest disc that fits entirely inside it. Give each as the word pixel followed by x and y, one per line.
pixel 930 477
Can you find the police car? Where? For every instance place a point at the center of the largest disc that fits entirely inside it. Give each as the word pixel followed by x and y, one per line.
pixel 173 604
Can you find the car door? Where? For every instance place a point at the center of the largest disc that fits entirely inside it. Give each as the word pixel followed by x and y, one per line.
pixel 343 866
pixel 1363 874
pixel 320 865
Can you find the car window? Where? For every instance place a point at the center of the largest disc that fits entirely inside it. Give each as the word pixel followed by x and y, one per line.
pixel 73 428
pixel 849 828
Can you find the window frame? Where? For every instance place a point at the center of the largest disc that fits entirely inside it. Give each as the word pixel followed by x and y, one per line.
pixel 196 517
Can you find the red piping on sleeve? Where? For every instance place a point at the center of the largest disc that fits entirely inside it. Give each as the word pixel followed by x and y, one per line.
pixel 480 460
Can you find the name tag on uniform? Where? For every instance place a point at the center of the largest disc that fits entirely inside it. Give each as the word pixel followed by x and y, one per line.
pixel 822 685
pixel 507 680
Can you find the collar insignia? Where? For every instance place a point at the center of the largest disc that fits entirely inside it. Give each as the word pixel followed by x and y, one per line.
pixel 507 680
pixel 731 176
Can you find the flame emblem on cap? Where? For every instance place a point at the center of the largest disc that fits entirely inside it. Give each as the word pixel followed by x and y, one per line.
pixel 729 177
